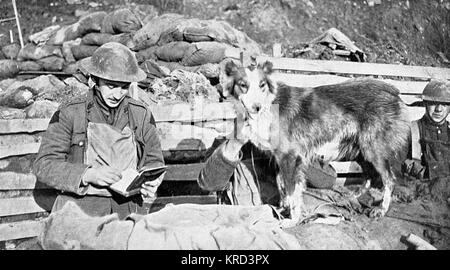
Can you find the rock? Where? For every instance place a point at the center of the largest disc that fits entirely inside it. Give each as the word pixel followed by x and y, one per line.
pixel 18 98
pixel 41 109
pixel 11 113
pixel 11 51
pixel 47 86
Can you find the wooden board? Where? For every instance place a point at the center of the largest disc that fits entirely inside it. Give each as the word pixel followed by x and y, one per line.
pixel 184 112
pixel 23 125
pixel 344 67
pixel 18 150
pixel 300 80
pixel 25 205
pixel 179 112
pixel 22 229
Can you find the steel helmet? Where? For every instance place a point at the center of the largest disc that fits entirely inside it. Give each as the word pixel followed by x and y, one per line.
pixel 114 61
pixel 437 90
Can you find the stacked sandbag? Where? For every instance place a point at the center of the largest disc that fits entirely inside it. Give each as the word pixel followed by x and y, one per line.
pixel 37 98
pixel 191 44
pixel 59 48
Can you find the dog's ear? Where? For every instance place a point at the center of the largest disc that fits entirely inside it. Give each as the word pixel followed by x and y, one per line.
pixel 230 68
pixel 267 67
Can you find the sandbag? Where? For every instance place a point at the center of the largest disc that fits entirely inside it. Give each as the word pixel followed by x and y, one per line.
pixel 29 66
pixel 78 86
pixel 47 86
pixel 120 21
pixel 11 51
pixel 176 32
pixel 123 38
pixel 225 33
pixel 218 227
pixel 88 23
pixel 43 36
pixel 18 98
pixel 67 49
pixel 51 63
pixel 83 51
pixel 209 70
pixel 71 68
pixel 174 51
pixel 41 109
pixel 4 84
pixel 91 23
pixel 7 113
pixel 150 33
pixel 96 39
pixel 8 68
pixel 34 52
pixel 63 34
pixel 147 54
pixel 204 52
pixel 152 69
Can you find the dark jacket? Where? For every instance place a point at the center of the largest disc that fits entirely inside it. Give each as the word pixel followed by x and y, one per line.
pixel 435 149
pixel 59 163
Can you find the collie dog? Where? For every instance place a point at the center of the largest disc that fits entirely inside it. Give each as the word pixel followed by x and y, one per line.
pixel 358 118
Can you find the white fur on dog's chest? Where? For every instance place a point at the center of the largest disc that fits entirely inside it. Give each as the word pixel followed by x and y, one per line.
pixel 329 151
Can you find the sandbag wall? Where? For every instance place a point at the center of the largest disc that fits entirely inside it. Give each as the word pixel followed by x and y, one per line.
pixel 169 41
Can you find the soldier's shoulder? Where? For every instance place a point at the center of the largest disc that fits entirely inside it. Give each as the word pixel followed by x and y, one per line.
pixel 137 103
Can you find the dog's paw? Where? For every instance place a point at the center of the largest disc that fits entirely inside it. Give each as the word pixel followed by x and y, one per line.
pixel 377 212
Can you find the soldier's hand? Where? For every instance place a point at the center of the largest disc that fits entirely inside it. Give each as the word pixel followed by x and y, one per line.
pixel 149 188
pixel 102 176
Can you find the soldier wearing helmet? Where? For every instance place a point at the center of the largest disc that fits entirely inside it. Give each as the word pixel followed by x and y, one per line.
pixel 430 137
pixel 93 139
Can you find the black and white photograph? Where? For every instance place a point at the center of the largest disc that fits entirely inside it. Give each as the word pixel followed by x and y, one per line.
pixel 245 126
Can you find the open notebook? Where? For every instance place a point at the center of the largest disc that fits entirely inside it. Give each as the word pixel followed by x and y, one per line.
pixel 132 180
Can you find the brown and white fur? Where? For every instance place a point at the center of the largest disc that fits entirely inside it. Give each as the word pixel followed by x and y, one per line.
pixel 334 122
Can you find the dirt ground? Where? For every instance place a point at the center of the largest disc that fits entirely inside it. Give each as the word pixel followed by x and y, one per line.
pixel 395 31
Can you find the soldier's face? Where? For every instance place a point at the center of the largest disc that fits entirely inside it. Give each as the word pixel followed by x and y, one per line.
pixel 437 111
pixel 113 92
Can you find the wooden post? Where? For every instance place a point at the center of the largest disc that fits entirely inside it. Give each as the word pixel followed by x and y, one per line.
pixel 276 50
pixel 18 23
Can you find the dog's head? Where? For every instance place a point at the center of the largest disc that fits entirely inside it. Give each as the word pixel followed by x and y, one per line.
pixel 253 87
pixel 256 91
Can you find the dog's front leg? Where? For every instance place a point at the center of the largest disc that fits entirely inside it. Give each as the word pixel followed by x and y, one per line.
pixel 291 183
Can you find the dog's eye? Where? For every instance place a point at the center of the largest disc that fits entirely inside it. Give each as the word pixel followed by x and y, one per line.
pixel 262 84
pixel 243 84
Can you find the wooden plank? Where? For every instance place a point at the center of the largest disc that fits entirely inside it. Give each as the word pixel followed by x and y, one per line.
pixel 184 112
pixel 18 150
pixel 343 167
pixel 301 80
pixel 344 67
pixel 22 229
pixel 182 172
pixel 23 125
pixel 23 205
